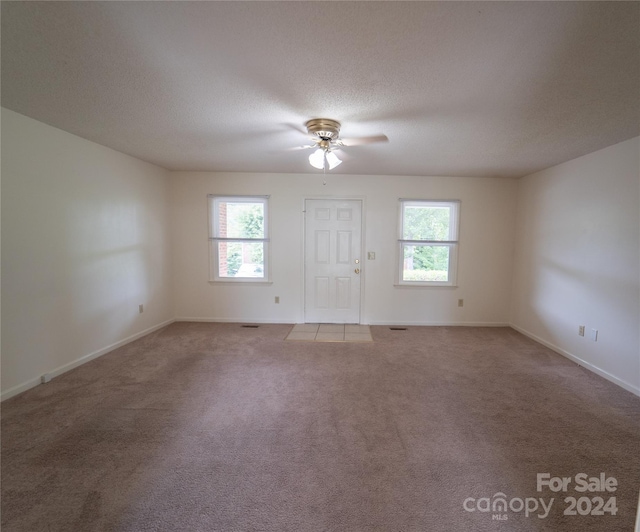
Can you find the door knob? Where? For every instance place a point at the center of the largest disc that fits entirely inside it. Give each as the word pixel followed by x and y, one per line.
pixel 357 270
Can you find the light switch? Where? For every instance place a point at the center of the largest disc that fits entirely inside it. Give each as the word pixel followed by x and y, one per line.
pixel 371 255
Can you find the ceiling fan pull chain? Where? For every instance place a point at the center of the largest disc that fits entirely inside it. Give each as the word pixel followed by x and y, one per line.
pixel 324 171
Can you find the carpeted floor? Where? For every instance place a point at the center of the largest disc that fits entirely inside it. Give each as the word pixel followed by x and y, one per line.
pixel 215 427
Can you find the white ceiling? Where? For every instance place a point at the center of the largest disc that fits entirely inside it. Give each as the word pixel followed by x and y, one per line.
pixel 460 88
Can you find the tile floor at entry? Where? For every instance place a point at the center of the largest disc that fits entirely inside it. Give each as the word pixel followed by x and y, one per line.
pixel 328 332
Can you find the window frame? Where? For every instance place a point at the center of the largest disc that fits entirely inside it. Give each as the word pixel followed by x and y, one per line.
pixel 214 201
pixel 453 243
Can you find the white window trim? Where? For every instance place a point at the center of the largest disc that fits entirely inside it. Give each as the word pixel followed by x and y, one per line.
pixel 452 244
pixel 214 277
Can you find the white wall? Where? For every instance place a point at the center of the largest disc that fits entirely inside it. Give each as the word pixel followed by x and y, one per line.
pixel 485 262
pixel 578 260
pixel 85 240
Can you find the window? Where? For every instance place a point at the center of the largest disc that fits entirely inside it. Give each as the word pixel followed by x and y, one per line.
pixel 238 238
pixel 428 243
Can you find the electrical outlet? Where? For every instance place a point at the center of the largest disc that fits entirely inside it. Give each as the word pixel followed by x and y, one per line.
pixel 461 302
pixel 580 330
pixel 140 309
pixel 277 299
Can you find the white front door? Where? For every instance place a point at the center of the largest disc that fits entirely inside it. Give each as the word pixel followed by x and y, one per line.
pixel 333 230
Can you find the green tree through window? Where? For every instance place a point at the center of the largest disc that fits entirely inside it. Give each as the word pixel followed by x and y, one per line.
pixel 428 242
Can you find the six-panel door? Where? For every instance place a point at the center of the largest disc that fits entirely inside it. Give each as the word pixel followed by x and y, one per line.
pixel 332 260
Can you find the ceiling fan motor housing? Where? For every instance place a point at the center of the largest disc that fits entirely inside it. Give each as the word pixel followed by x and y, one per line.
pixel 324 128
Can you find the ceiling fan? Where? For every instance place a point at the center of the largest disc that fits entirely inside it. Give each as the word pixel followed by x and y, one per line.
pixel 325 135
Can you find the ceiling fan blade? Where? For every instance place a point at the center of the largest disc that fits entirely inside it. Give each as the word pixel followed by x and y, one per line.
pixel 302 131
pixel 297 128
pixel 359 141
pixel 301 147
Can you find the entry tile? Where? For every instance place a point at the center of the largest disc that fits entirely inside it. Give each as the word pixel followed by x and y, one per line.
pixel 330 337
pixel 306 327
pixel 330 332
pixel 356 329
pixel 331 328
pixel 306 336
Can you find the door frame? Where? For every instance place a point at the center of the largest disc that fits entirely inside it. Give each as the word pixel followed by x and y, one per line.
pixel 363 270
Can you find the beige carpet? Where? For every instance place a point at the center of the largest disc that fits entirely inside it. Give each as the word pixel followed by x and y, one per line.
pixel 215 427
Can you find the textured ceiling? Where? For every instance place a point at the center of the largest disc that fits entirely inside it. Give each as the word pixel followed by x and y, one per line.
pixel 460 88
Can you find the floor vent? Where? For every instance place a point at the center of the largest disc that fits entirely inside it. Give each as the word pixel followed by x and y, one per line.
pixel 398 328
pixel 251 326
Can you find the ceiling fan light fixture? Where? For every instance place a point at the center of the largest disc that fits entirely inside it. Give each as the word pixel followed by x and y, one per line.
pixel 316 159
pixel 325 137
pixel 333 160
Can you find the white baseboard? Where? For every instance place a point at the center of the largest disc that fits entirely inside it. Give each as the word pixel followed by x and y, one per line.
pixel 440 323
pixel 31 383
pixel 595 369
